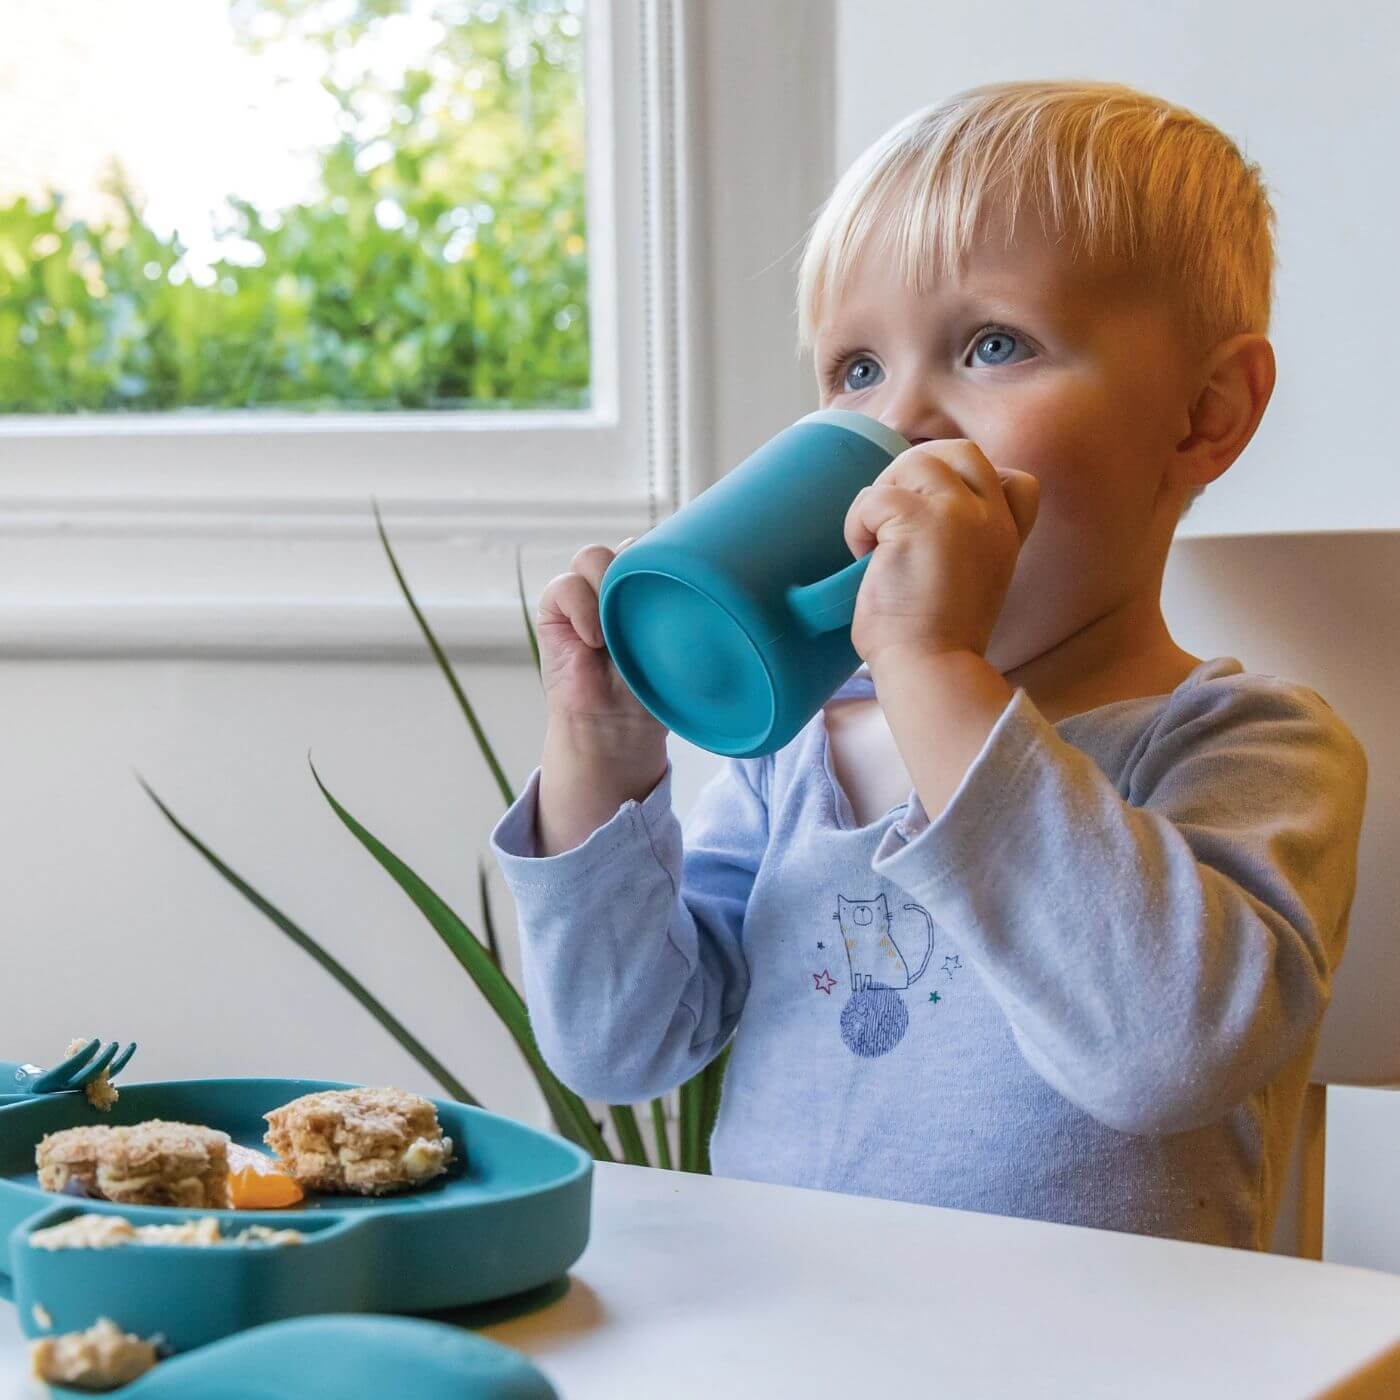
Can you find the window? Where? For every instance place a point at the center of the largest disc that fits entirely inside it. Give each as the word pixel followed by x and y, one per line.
pixel 324 204
pixel 236 520
pixel 370 409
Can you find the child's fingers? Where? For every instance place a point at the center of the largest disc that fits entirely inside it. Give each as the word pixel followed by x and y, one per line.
pixel 592 563
pixel 571 599
pixel 1022 492
pixel 937 466
pixel 872 509
pixel 933 467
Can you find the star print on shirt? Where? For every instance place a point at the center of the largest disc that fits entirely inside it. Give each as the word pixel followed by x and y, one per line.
pixel 951 963
pixel 821 945
pixel 823 983
pixel 933 996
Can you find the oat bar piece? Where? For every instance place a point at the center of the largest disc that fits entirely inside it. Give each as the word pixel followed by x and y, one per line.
pixel 164 1164
pixel 364 1142
pixel 68 1159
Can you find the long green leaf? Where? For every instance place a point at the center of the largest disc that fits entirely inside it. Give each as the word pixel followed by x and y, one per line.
pixel 570 1116
pixel 663 1141
pixel 525 613
pixel 308 945
pixel 692 1111
pixel 469 951
pixel 445 666
pixel 629 1135
pixel 483 885
pixel 713 1080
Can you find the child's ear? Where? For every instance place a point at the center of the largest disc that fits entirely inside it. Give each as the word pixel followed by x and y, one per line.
pixel 1235 382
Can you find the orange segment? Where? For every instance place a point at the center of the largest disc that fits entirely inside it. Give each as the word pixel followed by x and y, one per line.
pixel 257 1181
pixel 254 1190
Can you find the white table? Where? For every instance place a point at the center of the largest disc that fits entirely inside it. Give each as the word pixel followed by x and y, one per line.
pixel 694 1287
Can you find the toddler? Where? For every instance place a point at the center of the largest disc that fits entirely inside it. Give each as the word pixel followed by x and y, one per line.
pixel 1039 915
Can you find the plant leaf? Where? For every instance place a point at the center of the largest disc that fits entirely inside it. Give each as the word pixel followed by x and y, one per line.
pixel 440 656
pixel 492 946
pixel 525 613
pixel 692 1111
pixel 469 951
pixel 308 945
pixel 663 1142
pixel 629 1135
pixel 713 1077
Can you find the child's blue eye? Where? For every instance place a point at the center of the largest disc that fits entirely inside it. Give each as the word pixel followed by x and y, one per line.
pixel 861 373
pixel 997 348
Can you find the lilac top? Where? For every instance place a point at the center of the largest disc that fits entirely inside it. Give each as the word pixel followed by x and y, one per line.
pixel 1088 992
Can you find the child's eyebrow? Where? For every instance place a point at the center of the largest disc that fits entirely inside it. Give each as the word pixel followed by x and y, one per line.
pixel 844 323
pixel 1052 312
pixel 1061 312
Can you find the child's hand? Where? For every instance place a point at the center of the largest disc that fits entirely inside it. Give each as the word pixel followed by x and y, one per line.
pixel 581 684
pixel 601 747
pixel 946 527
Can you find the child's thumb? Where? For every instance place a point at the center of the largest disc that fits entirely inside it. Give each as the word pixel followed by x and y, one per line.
pixel 1022 493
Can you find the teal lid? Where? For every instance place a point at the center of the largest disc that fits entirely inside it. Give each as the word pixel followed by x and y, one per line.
pixel 348 1357
pixel 690 662
pixel 871 429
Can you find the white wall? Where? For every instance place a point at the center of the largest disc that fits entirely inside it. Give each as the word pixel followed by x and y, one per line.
pixel 113 926
pixel 1313 94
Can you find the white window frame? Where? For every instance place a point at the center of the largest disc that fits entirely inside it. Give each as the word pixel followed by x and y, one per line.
pixel 250 532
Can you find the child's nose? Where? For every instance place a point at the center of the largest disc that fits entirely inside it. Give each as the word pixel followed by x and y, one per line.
pixel 917 418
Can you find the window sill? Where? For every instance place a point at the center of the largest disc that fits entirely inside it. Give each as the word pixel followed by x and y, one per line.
pixel 290 628
pixel 123 578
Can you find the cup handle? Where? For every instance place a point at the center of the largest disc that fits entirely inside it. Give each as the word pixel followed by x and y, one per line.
pixel 830 602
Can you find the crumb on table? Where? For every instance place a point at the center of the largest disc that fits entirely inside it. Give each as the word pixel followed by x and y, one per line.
pixel 101 1358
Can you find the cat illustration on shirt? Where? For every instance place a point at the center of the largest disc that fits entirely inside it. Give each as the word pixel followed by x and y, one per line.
pixel 875 1018
pixel 875 958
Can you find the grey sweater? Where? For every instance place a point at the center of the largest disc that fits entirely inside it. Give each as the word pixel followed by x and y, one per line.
pixel 1088 992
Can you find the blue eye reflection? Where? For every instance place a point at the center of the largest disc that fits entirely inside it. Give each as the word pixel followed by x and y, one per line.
pixel 997 348
pixel 861 373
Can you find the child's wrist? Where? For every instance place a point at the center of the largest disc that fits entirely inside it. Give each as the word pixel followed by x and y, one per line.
pixel 587 771
pixel 581 791
pixel 606 742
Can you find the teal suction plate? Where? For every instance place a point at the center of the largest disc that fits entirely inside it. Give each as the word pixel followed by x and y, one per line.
pixel 511 1215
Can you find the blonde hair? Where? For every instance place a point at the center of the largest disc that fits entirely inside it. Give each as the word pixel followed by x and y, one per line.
pixel 1125 178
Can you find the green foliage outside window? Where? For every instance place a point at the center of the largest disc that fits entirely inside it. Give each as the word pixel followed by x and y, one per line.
pixel 441 265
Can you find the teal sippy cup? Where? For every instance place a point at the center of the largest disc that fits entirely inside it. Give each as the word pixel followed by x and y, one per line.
pixel 731 621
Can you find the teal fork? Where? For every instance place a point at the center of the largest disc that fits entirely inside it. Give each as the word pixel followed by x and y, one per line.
pixel 75 1072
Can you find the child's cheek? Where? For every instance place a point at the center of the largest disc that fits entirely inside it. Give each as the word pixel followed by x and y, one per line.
pixel 1080 449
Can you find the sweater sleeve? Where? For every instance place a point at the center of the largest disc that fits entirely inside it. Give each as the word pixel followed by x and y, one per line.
pixel 632 942
pixel 1161 953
